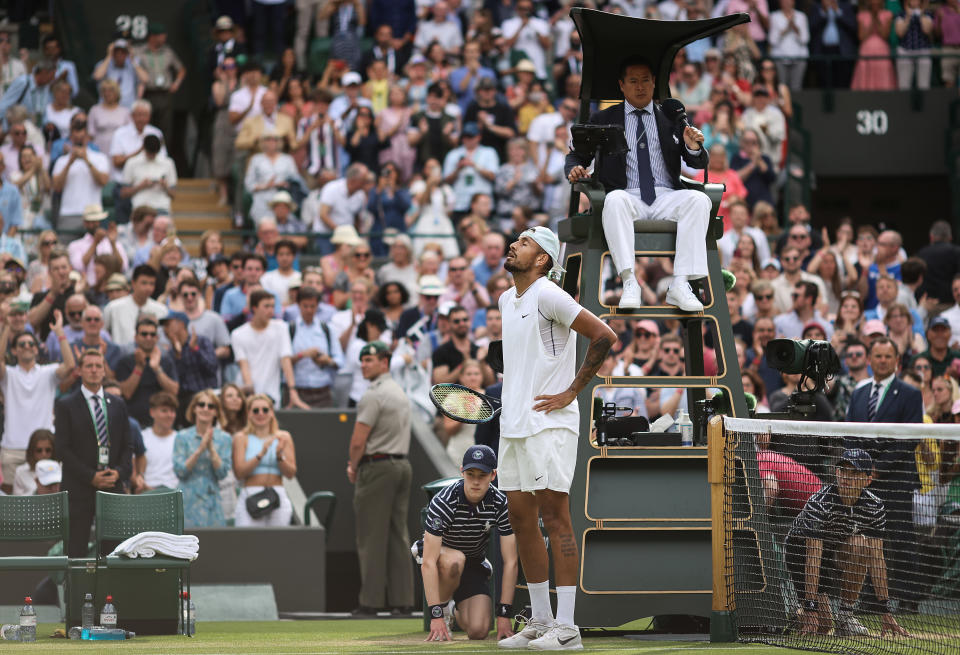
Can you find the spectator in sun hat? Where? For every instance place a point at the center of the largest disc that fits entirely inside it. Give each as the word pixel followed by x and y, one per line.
pixel 96 241
pixel 431 288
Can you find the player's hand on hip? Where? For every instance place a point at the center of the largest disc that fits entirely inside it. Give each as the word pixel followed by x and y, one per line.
pixel 577 173
pixel 888 624
pixel 692 137
pixel 549 403
pixel 504 628
pixel 438 631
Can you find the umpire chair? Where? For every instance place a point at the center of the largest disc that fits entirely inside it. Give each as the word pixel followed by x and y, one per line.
pixel 616 535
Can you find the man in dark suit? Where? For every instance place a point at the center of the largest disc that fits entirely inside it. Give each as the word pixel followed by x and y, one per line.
pixel 93 442
pixel 888 399
pixel 943 262
pixel 833 31
pixel 644 183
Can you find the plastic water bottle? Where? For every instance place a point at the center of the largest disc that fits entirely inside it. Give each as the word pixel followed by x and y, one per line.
pixel 99 633
pixel 28 621
pixel 191 615
pixel 10 632
pixel 108 615
pixel 87 612
pixel 188 618
pixel 686 428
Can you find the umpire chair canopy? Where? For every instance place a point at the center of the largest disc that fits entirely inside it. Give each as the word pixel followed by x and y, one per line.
pixel 607 39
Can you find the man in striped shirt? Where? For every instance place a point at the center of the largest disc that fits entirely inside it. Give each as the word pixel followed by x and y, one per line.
pixel 459 522
pixel 837 538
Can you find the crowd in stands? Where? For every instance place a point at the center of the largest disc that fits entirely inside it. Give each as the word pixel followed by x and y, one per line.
pixel 439 138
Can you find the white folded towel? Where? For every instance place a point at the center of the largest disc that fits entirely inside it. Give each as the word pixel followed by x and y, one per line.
pixel 150 544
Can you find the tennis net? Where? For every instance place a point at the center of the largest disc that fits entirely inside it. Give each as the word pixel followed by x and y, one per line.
pixel 838 537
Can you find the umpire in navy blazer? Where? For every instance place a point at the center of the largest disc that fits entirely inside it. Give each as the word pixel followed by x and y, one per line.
pixel 78 449
pixel 887 399
pixel 644 184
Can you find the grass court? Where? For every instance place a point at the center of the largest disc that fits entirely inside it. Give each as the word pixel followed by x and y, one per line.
pixel 332 637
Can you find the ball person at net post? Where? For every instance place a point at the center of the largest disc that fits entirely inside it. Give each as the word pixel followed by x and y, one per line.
pixel 833 543
pixel 459 523
pixel 539 427
pixel 644 183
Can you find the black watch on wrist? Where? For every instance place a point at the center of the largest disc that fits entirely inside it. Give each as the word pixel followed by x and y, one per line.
pixel 503 609
pixel 436 611
pixel 888 603
pixel 809 605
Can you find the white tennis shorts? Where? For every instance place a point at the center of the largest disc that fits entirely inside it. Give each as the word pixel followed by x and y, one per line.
pixel 545 460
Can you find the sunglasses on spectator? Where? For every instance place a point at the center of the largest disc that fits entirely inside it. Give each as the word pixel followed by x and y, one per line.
pixel 456 269
pixel 260 410
pixel 202 405
pixel 854 354
pixel 802 235
pixel 147 334
pixel 675 351
pixel 457 321
pixel 49 242
pixel 75 314
pixel 361 254
pixel 766 296
pixel 644 335
pixel 26 344
pixel 92 319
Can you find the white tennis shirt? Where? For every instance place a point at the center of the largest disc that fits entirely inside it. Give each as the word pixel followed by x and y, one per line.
pixel 539 357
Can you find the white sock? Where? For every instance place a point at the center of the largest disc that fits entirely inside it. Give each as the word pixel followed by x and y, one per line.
pixel 678 280
pixel 566 599
pixel 540 601
pixel 627 276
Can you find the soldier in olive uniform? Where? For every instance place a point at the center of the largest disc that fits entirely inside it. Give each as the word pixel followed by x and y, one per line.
pixel 379 468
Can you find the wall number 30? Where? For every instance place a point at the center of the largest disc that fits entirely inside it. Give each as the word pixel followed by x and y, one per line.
pixel 872 122
pixel 135 25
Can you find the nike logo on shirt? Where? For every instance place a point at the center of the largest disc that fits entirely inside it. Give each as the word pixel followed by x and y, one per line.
pixel 524 315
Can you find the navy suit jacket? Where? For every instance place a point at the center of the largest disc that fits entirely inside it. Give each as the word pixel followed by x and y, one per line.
pixel 76 445
pixel 613 169
pixel 846 28
pixel 893 458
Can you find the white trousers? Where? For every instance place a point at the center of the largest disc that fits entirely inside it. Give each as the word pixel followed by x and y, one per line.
pixel 688 208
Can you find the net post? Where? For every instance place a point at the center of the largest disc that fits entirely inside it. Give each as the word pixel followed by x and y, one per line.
pixel 723 627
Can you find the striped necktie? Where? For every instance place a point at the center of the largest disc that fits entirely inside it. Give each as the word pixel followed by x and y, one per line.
pixel 647 193
pixel 100 419
pixel 872 404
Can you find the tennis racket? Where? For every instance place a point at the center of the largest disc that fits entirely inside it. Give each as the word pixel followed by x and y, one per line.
pixel 464 404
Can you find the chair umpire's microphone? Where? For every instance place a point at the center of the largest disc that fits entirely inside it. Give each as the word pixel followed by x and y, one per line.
pixel 674 110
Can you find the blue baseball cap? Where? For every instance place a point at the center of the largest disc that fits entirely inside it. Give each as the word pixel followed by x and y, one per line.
pixel 859 459
pixel 480 457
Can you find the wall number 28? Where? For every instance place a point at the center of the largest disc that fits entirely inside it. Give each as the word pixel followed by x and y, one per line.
pixel 872 122
pixel 135 25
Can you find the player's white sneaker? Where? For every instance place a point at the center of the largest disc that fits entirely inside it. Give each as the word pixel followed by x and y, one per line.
pixel 846 625
pixel 532 630
pixel 681 296
pixel 559 637
pixel 630 298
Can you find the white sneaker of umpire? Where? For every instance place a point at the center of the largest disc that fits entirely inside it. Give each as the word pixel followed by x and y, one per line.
pixel 681 296
pixel 630 297
pixel 559 637
pixel 532 630
pixel 846 625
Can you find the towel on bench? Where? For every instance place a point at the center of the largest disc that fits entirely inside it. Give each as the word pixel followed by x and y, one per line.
pixel 150 544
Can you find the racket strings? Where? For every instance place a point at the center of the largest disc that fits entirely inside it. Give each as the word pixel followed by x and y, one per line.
pixel 463 403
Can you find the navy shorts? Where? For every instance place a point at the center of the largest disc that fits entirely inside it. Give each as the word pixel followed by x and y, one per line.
pixel 474 580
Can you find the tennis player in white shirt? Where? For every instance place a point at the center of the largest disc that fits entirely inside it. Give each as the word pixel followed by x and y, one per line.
pixel 539 429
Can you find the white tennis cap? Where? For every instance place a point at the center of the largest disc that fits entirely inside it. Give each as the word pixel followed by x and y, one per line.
pixel 48 471
pixel 550 243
